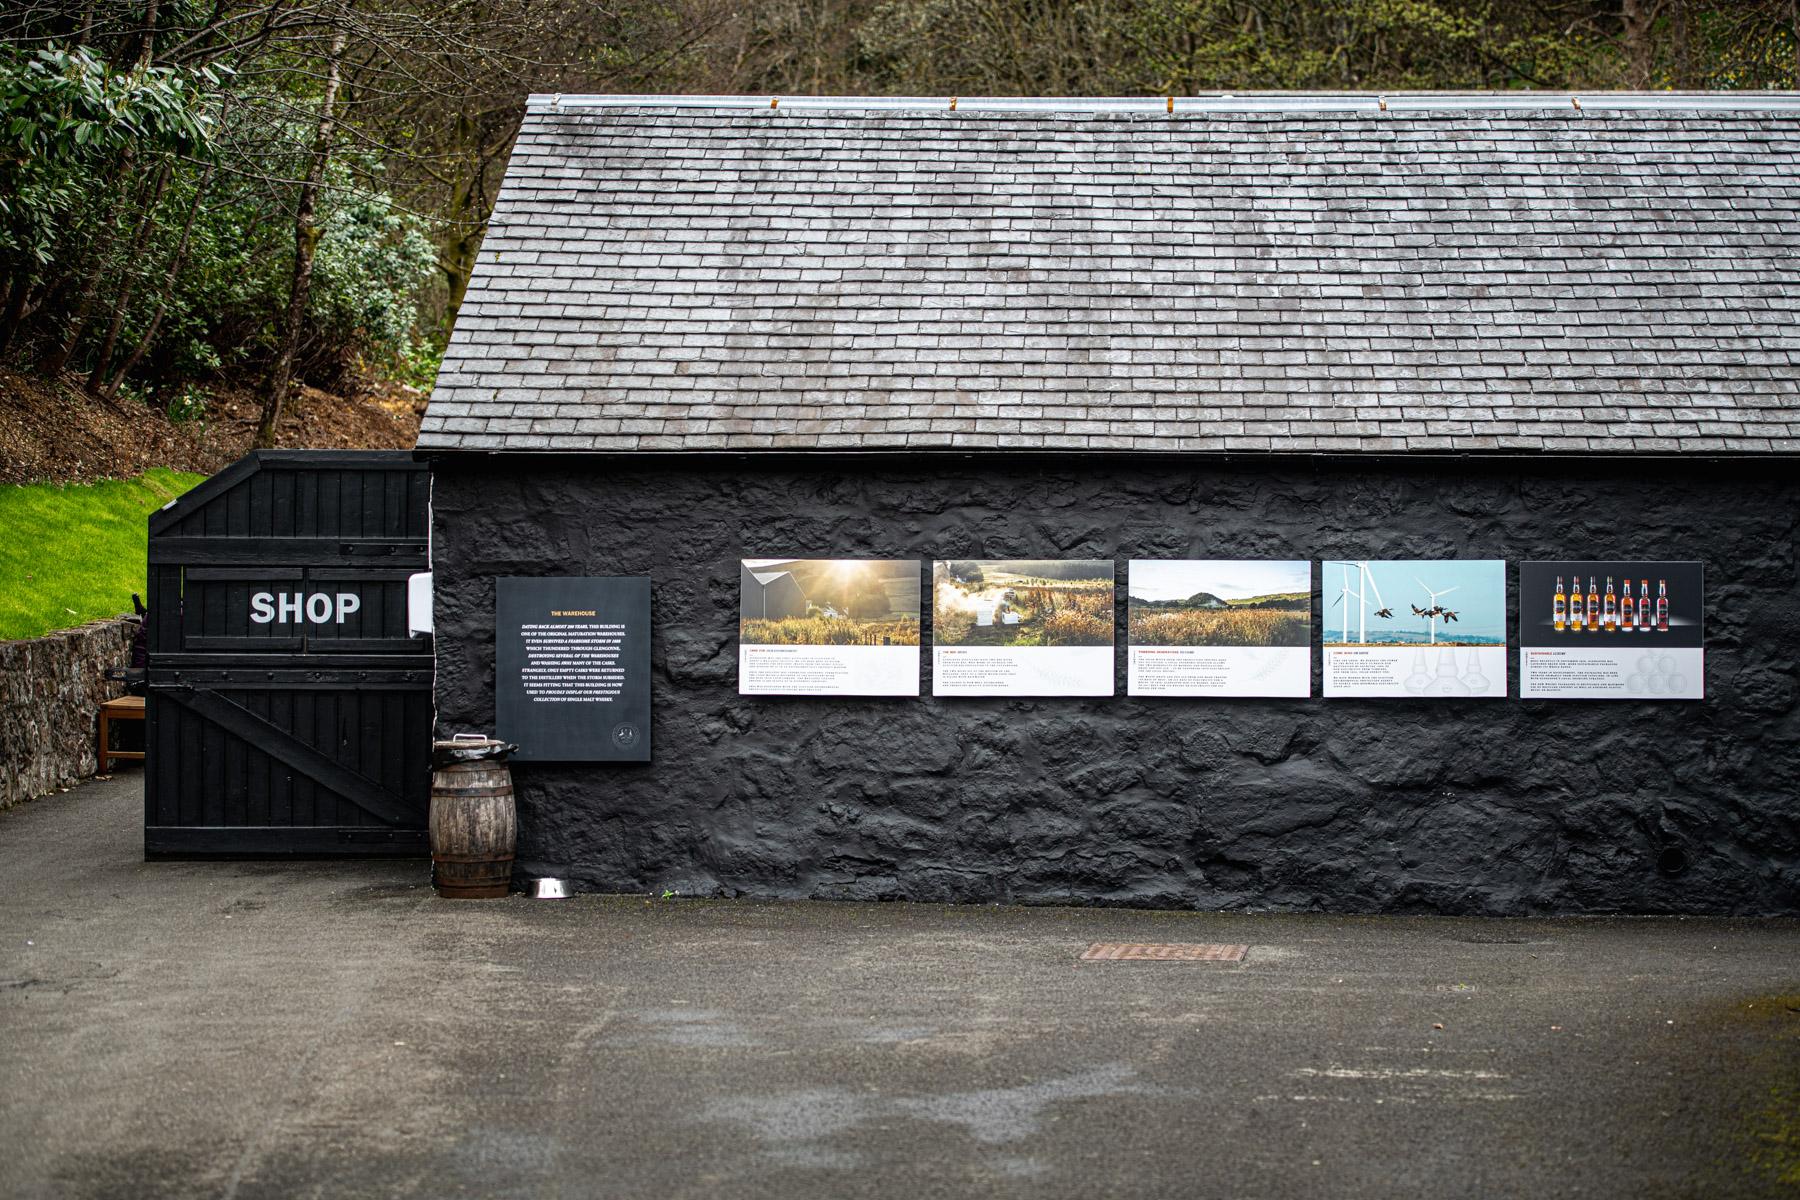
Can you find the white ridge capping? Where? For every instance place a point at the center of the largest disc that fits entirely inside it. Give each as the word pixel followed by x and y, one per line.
pixel 1247 102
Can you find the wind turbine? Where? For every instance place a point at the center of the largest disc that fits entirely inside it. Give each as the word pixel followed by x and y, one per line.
pixel 1431 604
pixel 1343 598
pixel 1365 580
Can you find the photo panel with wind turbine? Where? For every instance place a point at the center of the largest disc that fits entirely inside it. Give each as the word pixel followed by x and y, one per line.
pixel 1405 628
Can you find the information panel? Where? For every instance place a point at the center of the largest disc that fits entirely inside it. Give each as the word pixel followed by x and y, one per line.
pixel 1219 627
pixel 572 668
pixel 1597 629
pixel 1400 628
pixel 828 627
pixel 1022 627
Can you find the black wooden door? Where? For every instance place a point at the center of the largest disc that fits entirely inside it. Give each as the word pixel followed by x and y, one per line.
pixel 289 712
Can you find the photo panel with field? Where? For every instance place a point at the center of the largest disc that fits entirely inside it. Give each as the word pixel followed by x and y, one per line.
pixel 1219 627
pixel 1402 628
pixel 1611 629
pixel 1022 627
pixel 828 627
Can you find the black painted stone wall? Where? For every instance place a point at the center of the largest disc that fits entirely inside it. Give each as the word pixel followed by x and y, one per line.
pixel 1490 806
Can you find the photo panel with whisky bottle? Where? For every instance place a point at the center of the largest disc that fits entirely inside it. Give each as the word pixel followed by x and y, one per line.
pixel 1593 629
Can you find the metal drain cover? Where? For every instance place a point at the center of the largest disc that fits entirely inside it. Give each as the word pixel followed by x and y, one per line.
pixel 1163 952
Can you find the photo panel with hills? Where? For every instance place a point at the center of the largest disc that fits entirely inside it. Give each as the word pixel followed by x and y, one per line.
pixel 1022 627
pixel 828 627
pixel 1403 628
pixel 1219 627
pixel 1611 629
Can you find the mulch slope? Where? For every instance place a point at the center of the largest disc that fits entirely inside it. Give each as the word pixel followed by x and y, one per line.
pixel 54 431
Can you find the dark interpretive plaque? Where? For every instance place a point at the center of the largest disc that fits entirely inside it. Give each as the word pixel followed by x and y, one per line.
pixel 572 668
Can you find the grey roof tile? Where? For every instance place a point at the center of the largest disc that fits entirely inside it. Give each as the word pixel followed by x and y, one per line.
pixel 1430 282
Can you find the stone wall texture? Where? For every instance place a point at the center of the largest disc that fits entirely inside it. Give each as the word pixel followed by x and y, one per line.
pixel 1459 806
pixel 50 693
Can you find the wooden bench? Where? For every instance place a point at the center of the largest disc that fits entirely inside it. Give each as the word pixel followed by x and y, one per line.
pixel 125 708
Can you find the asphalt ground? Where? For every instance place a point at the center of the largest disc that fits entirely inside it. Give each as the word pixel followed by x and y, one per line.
pixel 333 1029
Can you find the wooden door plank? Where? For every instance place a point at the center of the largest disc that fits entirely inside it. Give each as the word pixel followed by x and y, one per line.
pixel 277 743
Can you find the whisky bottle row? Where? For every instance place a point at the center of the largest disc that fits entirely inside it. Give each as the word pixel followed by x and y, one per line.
pixel 1596 612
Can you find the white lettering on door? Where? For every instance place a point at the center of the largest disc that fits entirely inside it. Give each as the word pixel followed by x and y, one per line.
pixel 316 607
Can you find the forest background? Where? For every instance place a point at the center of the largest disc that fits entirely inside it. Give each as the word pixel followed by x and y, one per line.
pixel 201 194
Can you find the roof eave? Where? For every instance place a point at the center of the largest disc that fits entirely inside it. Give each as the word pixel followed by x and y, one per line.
pixel 1233 102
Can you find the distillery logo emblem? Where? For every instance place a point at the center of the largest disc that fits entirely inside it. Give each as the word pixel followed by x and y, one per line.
pixel 319 608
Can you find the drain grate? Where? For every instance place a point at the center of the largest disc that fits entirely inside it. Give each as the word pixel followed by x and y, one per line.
pixel 1163 952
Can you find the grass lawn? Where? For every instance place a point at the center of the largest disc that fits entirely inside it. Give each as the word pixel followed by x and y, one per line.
pixel 74 553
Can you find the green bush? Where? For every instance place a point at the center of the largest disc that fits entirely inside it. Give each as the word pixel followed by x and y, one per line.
pixel 371 263
pixel 187 405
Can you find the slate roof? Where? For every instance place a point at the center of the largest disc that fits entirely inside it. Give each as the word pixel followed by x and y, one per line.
pixel 659 277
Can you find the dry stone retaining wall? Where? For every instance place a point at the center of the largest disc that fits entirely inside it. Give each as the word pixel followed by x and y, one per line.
pixel 50 693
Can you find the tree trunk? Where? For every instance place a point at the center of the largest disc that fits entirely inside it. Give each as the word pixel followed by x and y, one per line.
pixel 57 356
pixel 465 228
pixel 147 36
pixel 1637 17
pixel 462 233
pixel 306 244
pixel 459 264
pixel 466 217
pixel 15 311
pixel 169 279
pixel 1680 75
pixel 128 285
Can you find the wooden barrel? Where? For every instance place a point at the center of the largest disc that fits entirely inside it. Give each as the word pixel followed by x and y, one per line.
pixel 473 828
